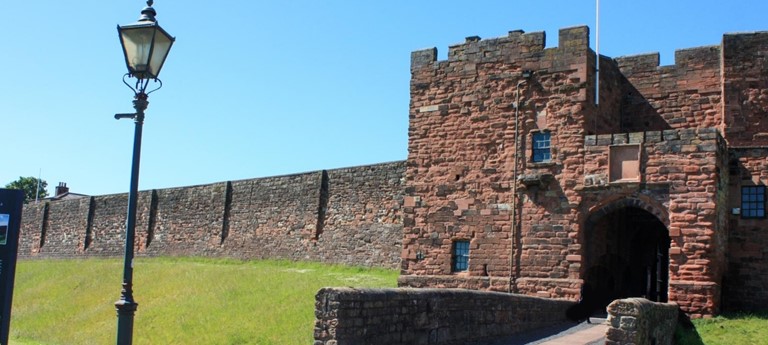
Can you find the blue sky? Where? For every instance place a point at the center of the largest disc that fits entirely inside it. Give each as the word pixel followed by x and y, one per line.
pixel 263 88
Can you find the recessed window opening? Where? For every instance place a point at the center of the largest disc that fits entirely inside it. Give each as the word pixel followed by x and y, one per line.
pixel 624 163
pixel 460 256
pixel 541 147
pixel 753 202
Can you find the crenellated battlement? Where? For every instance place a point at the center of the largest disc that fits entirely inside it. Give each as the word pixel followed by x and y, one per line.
pixel 686 94
pixel 516 45
pixel 706 57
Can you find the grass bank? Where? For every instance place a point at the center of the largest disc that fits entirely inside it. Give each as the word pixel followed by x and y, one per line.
pixel 728 329
pixel 181 300
pixel 216 301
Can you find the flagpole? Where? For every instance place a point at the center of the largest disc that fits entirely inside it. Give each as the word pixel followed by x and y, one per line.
pixel 597 52
pixel 37 190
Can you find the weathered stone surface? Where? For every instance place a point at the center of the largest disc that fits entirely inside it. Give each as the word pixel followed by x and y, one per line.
pixel 350 216
pixel 640 321
pixel 427 316
pixel 681 117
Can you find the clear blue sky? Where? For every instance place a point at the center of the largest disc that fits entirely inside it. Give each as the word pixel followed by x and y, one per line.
pixel 263 88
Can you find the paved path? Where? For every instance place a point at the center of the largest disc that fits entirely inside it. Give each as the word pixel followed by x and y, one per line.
pixel 584 333
pixel 566 334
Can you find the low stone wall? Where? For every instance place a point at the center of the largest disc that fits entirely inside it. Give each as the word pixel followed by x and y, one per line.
pixel 428 316
pixel 639 321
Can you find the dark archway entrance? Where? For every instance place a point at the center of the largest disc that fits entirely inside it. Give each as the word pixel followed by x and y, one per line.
pixel 626 255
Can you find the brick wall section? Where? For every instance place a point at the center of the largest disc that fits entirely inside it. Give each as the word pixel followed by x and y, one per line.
pixel 363 222
pixel 747 278
pixel 607 116
pixel 680 170
pixel 427 316
pixel 745 88
pixel 462 154
pixel 32 227
pixel 687 94
pixel 684 197
pixel 108 229
pixel 62 216
pixel 641 322
pixel 185 221
pixel 275 217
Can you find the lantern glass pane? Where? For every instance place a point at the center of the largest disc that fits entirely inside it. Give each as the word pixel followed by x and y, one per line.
pixel 160 52
pixel 137 43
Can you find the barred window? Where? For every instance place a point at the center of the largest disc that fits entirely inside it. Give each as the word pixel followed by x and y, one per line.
pixel 541 152
pixel 753 202
pixel 460 256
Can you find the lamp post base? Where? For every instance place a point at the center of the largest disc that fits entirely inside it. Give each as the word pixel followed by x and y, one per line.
pixel 126 309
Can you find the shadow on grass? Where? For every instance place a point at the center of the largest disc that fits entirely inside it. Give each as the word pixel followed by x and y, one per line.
pixel 687 336
pixel 686 333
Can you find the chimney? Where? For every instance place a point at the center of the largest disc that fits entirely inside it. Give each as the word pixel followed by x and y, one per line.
pixel 61 189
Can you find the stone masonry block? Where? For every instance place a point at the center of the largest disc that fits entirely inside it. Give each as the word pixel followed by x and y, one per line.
pixel 636 137
pixel 425 57
pixel 604 139
pixel 620 138
pixel 628 323
pixel 653 136
pixel 670 134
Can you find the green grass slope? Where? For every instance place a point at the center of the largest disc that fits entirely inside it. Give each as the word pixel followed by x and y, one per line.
pixel 181 301
pixel 214 301
pixel 729 329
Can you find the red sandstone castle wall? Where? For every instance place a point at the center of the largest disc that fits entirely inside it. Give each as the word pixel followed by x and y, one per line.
pixel 462 155
pixel 363 221
pixel 269 217
pixel 277 217
pixel 107 232
pixel 745 88
pixel 461 165
pixel 680 184
pixel 687 94
pixel 747 277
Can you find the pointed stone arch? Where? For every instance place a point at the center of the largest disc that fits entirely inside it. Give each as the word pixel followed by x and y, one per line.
pixel 616 202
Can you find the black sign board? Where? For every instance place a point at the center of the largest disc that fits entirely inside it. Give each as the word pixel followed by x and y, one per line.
pixel 11 203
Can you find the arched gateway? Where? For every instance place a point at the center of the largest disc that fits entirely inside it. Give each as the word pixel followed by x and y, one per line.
pixel 626 253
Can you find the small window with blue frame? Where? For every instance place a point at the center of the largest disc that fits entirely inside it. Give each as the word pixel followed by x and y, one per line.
pixel 753 202
pixel 541 147
pixel 460 256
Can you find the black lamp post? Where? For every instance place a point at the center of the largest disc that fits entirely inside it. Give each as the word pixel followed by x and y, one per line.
pixel 145 47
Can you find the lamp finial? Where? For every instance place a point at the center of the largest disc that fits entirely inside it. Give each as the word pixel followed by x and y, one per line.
pixel 148 13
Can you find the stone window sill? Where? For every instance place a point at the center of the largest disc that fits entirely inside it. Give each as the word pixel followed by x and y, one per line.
pixel 626 181
pixel 547 164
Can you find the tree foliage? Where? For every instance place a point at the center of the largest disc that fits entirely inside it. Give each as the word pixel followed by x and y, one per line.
pixel 29 185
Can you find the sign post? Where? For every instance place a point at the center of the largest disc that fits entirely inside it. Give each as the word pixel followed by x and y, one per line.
pixel 11 203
